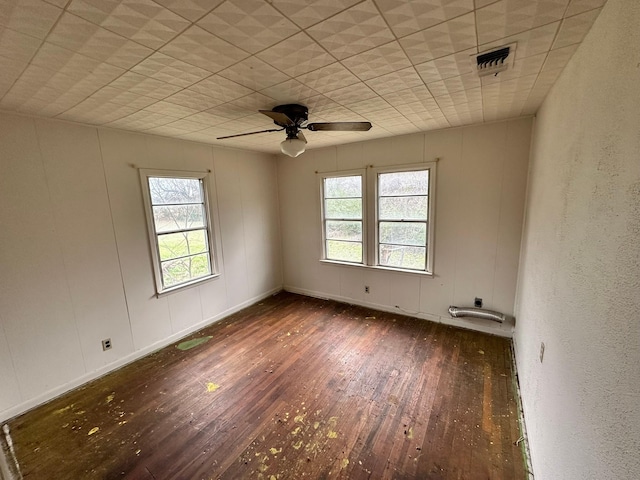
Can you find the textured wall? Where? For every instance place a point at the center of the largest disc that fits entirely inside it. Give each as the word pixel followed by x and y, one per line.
pixel 579 279
pixel 481 182
pixel 75 265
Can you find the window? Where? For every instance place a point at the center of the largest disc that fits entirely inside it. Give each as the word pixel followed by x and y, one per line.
pixel 403 206
pixel 400 220
pixel 343 217
pixel 179 227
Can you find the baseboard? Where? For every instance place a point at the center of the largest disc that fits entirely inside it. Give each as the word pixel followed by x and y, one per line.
pixel 526 450
pixel 132 357
pixel 502 330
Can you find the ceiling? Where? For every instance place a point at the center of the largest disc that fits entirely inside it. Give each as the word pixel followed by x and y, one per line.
pixel 200 69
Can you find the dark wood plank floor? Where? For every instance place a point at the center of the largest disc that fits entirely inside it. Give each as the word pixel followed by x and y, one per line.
pixel 291 388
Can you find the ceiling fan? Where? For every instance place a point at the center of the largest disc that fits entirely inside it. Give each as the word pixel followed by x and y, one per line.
pixel 293 118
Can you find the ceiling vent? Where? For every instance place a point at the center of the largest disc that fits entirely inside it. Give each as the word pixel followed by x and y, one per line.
pixel 494 61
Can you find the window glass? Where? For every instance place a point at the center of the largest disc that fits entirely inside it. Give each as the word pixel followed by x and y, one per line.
pixel 180 230
pixel 342 222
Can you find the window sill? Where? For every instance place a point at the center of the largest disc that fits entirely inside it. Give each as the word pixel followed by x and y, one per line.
pixel 378 267
pixel 184 286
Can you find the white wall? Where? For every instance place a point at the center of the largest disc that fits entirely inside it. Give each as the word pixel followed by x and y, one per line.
pixel 579 286
pixel 75 265
pixel 481 182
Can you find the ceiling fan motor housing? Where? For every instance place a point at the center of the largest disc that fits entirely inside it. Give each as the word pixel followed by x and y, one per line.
pixel 298 114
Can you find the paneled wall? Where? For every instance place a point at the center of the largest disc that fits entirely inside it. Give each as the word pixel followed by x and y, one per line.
pixel 75 264
pixel 579 289
pixel 481 182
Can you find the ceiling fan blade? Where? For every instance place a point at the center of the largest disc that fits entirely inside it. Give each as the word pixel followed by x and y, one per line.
pixel 251 133
pixel 278 117
pixel 340 126
pixel 301 137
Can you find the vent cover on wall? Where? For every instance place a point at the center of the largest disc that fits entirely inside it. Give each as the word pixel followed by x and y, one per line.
pixel 494 61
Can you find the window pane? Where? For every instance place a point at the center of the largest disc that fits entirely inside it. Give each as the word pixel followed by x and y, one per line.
pixel 181 244
pixel 344 231
pixel 174 190
pixel 343 208
pixel 403 208
pixel 343 187
pixel 182 270
pixel 178 217
pixel 403 183
pixel 403 257
pixel 403 233
pixel 344 251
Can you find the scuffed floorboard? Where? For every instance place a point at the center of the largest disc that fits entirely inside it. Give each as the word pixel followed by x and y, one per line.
pixel 290 388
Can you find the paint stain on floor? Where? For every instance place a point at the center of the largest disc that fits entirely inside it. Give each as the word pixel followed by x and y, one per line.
pixel 212 387
pixel 189 344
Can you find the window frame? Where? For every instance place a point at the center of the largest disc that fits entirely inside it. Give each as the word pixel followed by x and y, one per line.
pixel 203 177
pixel 370 206
pixel 374 228
pixel 346 173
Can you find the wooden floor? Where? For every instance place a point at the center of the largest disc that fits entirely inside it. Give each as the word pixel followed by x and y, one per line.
pixel 291 388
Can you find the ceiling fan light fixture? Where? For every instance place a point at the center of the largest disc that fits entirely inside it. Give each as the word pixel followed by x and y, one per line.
pixel 293 147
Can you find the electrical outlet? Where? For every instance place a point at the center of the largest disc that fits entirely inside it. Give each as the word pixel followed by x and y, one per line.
pixel 541 351
pixel 477 302
pixel 106 344
pixel 366 289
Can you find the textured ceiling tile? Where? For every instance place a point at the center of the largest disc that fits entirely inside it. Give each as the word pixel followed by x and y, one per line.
pixel 170 70
pixel 33 17
pixel 254 102
pixel 353 31
pixel 144 21
pixel 406 17
pixel 389 83
pixel 375 104
pixel 531 42
pixel 415 95
pixel 443 39
pixel 194 100
pixel 254 73
pixel 190 9
pixel 10 71
pixel 142 120
pixel 168 108
pixel 142 85
pixel 116 96
pixel 558 58
pixel 445 67
pixel 484 3
pixel 351 94
pixel 309 12
pixel 580 6
pixel 319 103
pixel 220 88
pixel 378 61
pixel 47 92
pixel 454 84
pixel 206 118
pixel 296 55
pixel 96 112
pixel 233 110
pixel 328 78
pixel 574 29
pixel 82 36
pixel 508 17
pixel 17 46
pixel 58 3
pixel 290 91
pixel 252 25
pixel 202 49
pixel 508 88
